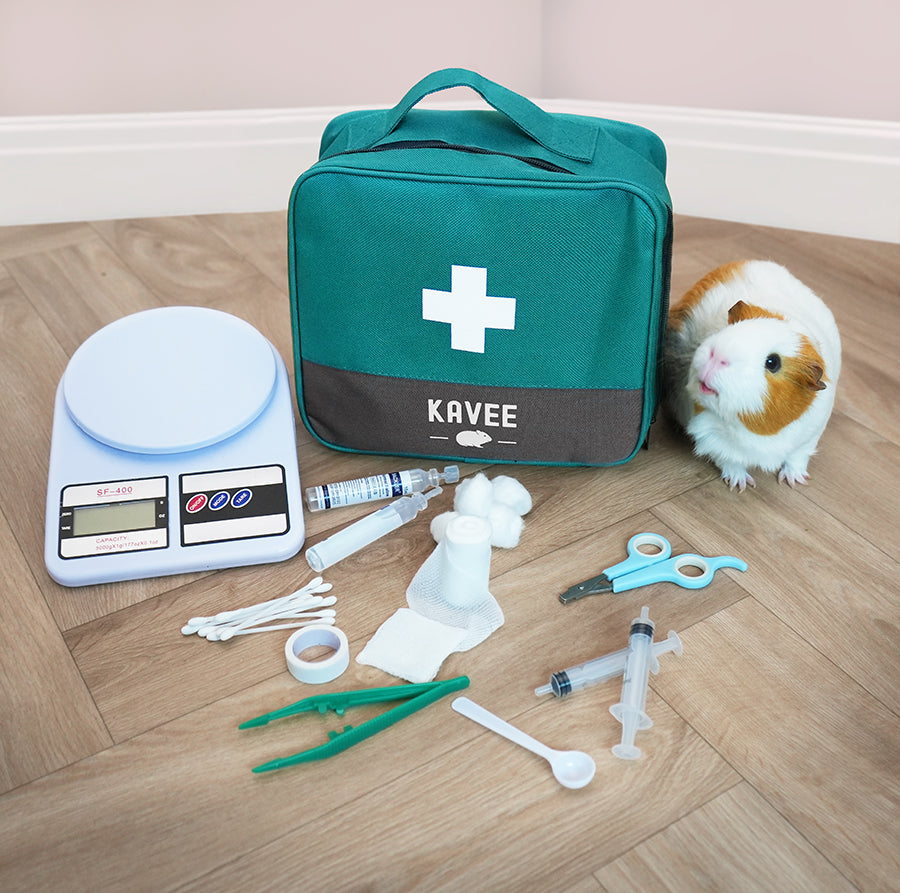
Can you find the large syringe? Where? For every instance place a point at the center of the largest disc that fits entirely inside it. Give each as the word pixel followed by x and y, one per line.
pixel 630 709
pixel 602 668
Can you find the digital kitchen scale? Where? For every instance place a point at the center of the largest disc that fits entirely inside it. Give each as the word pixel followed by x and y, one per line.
pixel 173 450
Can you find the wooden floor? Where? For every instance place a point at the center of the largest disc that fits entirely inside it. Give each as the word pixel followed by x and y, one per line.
pixel 774 760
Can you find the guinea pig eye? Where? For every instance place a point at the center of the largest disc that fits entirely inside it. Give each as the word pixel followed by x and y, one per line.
pixel 773 362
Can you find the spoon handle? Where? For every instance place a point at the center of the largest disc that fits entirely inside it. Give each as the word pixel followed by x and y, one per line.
pixel 490 721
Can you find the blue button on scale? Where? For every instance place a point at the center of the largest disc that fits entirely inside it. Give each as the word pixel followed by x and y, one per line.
pixel 157 410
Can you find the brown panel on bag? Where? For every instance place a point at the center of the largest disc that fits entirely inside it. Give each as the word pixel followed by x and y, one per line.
pixel 375 413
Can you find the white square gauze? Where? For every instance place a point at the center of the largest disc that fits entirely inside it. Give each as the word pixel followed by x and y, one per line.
pixel 411 646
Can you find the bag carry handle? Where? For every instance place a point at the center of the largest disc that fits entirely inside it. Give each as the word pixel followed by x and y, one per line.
pixel 571 138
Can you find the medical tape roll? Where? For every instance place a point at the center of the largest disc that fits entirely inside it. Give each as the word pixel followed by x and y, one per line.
pixel 317 671
pixel 466 561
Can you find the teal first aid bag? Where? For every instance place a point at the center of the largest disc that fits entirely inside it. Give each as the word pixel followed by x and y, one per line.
pixel 480 284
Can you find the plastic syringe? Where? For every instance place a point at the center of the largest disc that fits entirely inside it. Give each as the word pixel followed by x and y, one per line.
pixel 366 530
pixel 602 668
pixel 378 486
pixel 630 709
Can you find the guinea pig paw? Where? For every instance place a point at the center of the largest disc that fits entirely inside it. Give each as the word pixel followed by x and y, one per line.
pixel 792 476
pixel 738 480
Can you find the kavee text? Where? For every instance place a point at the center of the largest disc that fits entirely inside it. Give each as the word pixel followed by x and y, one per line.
pixel 491 415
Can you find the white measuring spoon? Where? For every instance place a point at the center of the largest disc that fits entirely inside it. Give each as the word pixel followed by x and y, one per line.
pixel 572 768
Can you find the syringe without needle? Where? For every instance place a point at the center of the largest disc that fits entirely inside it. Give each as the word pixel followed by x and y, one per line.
pixel 602 668
pixel 630 709
pixel 366 530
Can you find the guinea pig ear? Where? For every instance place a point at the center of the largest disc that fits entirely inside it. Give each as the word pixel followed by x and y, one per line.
pixel 741 311
pixel 815 373
pixel 737 313
pixel 807 368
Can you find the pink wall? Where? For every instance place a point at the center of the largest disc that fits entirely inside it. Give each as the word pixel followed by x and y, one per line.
pixel 801 57
pixel 107 56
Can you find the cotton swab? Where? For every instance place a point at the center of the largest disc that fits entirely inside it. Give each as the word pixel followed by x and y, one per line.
pixel 312 588
pixel 215 633
pixel 287 611
pixel 227 634
pixel 210 623
pixel 273 604
pixel 296 605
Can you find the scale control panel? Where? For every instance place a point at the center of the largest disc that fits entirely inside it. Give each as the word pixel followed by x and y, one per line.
pixel 219 506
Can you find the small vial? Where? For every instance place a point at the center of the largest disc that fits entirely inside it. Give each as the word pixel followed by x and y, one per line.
pixel 378 486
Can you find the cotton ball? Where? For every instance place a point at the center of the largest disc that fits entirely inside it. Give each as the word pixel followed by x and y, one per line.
pixel 439 524
pixel 506 526
pixel 509 491
pixel 474 496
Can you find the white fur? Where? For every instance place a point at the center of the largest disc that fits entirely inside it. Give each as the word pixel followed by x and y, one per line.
pixel 730 359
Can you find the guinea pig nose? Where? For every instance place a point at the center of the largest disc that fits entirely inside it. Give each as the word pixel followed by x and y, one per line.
pixel 712 364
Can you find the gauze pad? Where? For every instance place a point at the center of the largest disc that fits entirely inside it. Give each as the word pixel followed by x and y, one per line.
pixel 411 646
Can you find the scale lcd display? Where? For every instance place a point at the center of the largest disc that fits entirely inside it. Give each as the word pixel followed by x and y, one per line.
pixel 92 520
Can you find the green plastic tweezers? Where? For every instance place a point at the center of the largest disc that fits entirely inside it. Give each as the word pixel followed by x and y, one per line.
pixel 415 697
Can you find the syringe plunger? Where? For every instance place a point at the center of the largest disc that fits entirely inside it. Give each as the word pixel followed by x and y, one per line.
pixel 630 709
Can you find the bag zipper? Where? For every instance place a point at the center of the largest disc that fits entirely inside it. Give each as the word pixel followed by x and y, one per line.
pixel 540 163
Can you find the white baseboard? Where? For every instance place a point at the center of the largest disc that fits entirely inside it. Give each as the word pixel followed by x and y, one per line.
pixel 838 176
pixel 89 167
pixel 827 175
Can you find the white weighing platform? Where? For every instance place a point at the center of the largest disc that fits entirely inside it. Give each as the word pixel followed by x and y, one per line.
pixel 173 450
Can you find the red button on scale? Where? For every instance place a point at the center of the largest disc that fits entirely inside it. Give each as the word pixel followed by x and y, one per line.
pixel 196 503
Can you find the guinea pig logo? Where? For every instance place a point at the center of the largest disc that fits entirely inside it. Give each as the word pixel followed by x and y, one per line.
pixel 475 439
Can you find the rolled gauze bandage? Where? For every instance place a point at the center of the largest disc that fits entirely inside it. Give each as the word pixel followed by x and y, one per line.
pixel 466 561
pixel 317 671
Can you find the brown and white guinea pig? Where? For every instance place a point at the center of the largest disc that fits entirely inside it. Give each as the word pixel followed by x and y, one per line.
pixel 752 359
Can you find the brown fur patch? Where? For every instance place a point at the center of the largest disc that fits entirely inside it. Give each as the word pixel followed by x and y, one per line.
pixel 742 311
pixel 790 391
pixel 695 294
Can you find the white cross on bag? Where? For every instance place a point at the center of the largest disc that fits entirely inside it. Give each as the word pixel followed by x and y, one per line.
pixel 468 308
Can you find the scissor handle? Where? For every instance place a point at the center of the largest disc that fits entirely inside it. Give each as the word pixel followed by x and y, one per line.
pixel 637 559
pixel 674 571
